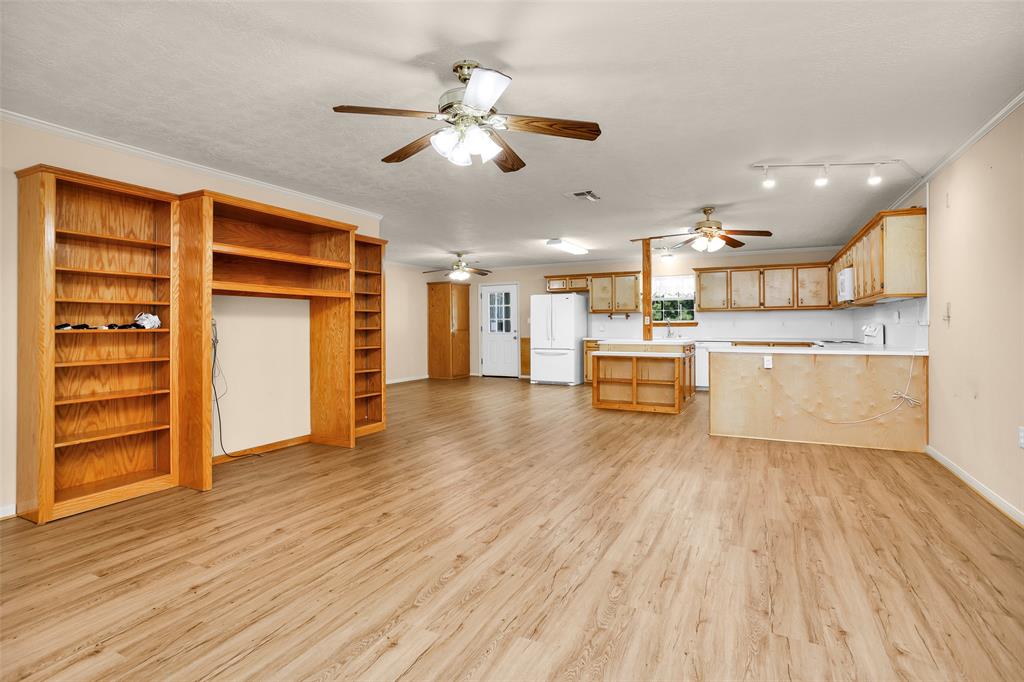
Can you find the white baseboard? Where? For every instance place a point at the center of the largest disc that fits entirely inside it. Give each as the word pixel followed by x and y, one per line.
pixel 8 511
pixel 979 487
pixel 402 380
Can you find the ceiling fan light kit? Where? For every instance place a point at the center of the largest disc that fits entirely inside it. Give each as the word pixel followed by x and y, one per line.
pixel 469 110
pixel 707 235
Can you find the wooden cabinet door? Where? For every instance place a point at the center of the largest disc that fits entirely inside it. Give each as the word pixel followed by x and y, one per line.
pixel 778 287
pixel 873 258
pixel 601 294
pixel 439 330
pixel 557 284
pixel 745 289
pixel 713 290
pixel 577 283
pixel 627 293
pixel 812 287
pixel 460 330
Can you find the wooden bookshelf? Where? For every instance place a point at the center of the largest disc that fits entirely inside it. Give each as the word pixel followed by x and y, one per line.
pixel 96 407
pixel 370 398
pixel 238 247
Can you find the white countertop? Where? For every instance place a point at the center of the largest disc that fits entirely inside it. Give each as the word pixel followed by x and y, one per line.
pixel 678 341
pixel 845 349
pixel 637 354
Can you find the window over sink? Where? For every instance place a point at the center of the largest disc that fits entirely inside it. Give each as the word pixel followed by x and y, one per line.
pixel 672 298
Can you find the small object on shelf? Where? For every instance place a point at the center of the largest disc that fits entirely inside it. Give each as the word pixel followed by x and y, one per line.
pixel 147 321
pixel 81 326
pixel 63 325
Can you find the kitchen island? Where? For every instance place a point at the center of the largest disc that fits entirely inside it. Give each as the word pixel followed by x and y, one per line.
pixel 858 395
pixel 642 380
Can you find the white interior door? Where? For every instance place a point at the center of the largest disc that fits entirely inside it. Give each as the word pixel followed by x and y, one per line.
pixel 499 330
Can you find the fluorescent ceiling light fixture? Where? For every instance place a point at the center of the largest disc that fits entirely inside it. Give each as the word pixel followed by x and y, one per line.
pixel 667 255
pixel 822 178
pixel 567 246
pixel 874 178
pixel 700 243
pixel 458 275
pixel 768 182
pixel 715 243
pixel 484 88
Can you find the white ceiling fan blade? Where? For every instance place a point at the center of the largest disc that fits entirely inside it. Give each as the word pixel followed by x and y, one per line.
pixel 484 88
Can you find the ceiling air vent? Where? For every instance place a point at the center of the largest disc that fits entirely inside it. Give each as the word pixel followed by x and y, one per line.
pixel 585 194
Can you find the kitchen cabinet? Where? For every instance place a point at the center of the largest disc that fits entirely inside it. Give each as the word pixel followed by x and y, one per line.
pixel 601 297
pixel 812 287
pixel 713 290
pixel 447 330
pixel 744 289
pixel 627 293
pixel 778 287
pixel 615 292
pixel 888 257
pixel 566 283
pixel 588 364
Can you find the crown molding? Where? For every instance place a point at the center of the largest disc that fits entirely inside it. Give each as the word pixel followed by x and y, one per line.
pixel 71 133
pixel 1010 107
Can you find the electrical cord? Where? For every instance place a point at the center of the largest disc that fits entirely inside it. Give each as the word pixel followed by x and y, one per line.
pixel 218 372
pixel 903 397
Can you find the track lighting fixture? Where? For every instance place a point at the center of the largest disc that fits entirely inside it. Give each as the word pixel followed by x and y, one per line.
pixel 822 180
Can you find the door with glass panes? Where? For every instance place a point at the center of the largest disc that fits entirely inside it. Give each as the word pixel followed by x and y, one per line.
pixel 499 330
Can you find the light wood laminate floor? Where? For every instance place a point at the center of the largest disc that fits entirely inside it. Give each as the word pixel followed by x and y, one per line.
pixel 499 530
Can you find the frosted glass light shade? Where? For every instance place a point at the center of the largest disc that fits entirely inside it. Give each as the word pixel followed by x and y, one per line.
pixel 443 141
pixel 715 244
pixel 700 243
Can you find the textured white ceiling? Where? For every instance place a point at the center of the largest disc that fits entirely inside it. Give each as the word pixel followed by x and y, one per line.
pixel 688 96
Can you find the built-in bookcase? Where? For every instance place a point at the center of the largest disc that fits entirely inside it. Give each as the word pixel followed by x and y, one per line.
pixel 96 406
pixel 369 334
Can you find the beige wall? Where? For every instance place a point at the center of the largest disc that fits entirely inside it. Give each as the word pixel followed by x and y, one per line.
pixel 406 306
pixel 266 401
pixel 976 251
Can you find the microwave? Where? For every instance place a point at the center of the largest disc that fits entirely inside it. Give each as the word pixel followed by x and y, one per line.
pixel 844 285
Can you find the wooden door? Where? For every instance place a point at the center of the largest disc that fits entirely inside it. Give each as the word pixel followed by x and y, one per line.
pixel 778 287
pixel 460 330
pixel 601 294
pixel 745 289
pixel 713 290
pixel 627 293
pixel 812 287
pixel 439 330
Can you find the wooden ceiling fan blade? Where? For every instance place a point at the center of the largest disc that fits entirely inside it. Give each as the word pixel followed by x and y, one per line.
pixel 558 127
pixel 477 271
pixel 734 243
pixel 427 272
pixel 414 147
pixel 749 233
pixel 508 161
pixel 664 236
pixel 383 111
pixel 685 242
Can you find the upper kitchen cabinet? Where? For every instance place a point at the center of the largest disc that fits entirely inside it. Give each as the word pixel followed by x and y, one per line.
pixel 744 289
pixel 615 292
pixel 601 296
pixel 627 292
pixel 713 290
pixel 887 257
pixel 778 287
pixel 812 286
pixel 566 283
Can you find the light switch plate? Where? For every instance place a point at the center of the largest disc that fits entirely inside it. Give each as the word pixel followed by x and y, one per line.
pixel 767 362
pixel 1020 436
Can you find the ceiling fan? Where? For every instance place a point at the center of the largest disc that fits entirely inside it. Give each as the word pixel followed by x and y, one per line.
pixel 708 235
pixel 472 123
pixel 460 270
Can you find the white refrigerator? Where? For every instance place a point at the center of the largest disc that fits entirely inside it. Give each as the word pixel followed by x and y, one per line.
pixel 558 323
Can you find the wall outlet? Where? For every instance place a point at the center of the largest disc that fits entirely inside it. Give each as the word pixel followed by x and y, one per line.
pixel 1020 436
pixel 767 362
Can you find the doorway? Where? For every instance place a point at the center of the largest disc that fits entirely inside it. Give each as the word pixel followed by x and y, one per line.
pixel 499 330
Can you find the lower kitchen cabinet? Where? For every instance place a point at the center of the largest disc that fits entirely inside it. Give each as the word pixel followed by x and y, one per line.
pixel 588 364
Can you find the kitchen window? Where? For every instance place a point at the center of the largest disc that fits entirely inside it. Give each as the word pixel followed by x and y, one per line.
pixel 672 298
